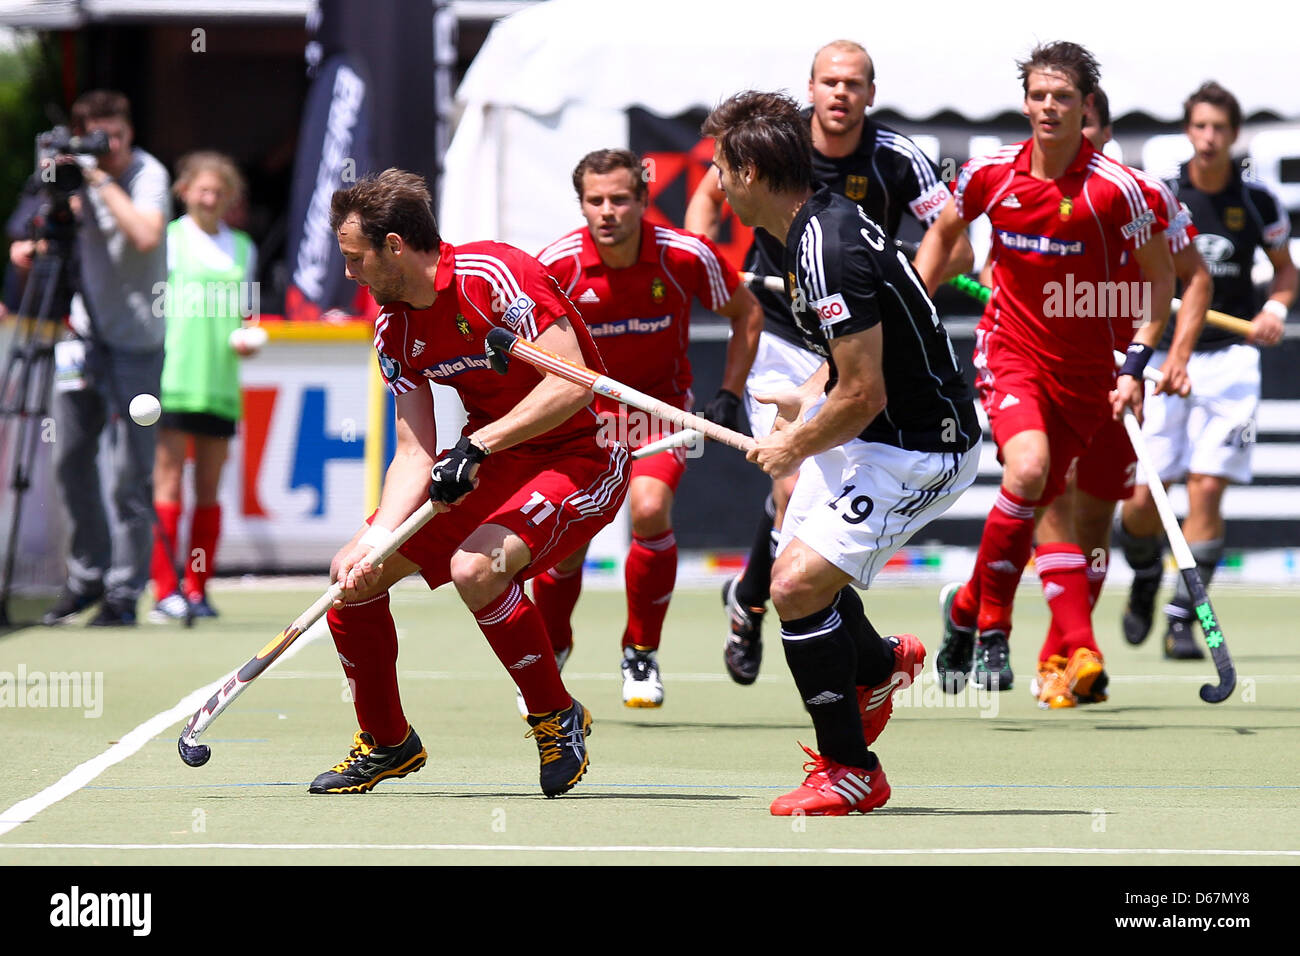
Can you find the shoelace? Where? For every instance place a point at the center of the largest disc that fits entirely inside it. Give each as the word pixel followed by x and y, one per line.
pixel 639 668
pixel 548 734
pixel 359 750
pixel 995 655
pixel 817 765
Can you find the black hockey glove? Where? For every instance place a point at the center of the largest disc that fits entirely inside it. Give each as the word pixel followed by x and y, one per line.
pixel 724 410
pixel 450 480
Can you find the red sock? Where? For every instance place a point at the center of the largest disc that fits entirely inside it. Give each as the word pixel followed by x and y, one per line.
pixel 1004 551
pixel 1096 578
pixel 163 566
pixel 366 639
pixel 1062 569
pixel 1096 581
pixel 555 593
pixel 204 531
pixel 651 572
pixel 513 626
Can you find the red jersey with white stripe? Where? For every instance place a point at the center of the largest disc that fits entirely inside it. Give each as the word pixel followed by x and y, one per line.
pixel 481 285
pixel 1057 245
pixel 1180 233
pixel 640 315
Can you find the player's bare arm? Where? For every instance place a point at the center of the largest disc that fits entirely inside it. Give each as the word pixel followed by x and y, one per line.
pixel 853 402
pixel 792 405
pixel 961 258
pixel 940 249
pixel 550 403
pixel 704 210
pixel 1268 325
pixel 746 317
pixel 1198 289
pixel 1157 267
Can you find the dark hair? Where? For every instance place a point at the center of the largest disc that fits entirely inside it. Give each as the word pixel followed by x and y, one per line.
pixel 1102 104
pixel 1062 57
pixel 765 131
pixel 1214 94
pixel 98 105
pixel 602 161
pixel 845 46
pixel 394 201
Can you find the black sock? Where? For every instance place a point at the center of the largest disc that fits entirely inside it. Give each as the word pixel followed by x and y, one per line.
pixel 875 653
pixel 1142 553
pixel 755 584
pixel 823 660
pixel 1207 555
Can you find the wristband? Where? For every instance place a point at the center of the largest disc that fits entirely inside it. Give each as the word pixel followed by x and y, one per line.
pixel 376 536
pixel 1275 309
pixel 1135 359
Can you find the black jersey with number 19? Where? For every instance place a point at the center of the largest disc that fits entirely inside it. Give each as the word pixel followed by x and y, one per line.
pixel 844 275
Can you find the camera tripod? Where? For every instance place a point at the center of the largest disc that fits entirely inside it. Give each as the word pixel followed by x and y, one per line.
pixel 25 384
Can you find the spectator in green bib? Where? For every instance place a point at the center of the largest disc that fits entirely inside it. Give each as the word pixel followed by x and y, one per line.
pixel 209 293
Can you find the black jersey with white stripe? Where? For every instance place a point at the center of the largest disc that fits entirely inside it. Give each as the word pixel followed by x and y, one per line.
pixel 1230 224
pixel 887 176
pixel 844 275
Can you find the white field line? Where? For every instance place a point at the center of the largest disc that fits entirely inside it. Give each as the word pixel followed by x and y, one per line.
pixel 84 773
pixel 708 678
pixel 770 850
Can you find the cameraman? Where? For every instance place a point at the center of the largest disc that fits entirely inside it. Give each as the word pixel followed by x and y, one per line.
pixel 124 207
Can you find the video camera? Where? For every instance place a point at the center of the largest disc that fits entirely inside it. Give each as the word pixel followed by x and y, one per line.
pixel 57 150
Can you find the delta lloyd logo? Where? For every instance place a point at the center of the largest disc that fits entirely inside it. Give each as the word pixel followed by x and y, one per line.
pixel 77 909
pixel 1097 300
pixel 82 690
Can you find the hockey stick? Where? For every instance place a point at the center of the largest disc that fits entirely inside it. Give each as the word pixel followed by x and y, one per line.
pixel 687 436
pixel 237 681
pixel 1205 616
pixel 1222 320
pixel 502 344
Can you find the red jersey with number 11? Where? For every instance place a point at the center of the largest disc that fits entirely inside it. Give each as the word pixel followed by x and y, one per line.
pixel 482 285
pixel 1057 250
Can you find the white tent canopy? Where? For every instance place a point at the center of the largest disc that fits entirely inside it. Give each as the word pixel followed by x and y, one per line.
pixel 555 80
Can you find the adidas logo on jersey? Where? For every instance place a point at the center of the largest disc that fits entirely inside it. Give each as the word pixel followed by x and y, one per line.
pixel 588 296
pixel 825 697
pixel 417 348
pixel 1052 590
pixel 1011 202
pixel 1008 402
